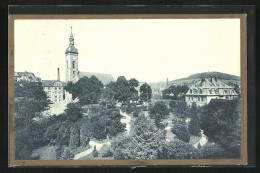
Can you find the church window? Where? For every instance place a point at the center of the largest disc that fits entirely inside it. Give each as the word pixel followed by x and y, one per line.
pixel 73 64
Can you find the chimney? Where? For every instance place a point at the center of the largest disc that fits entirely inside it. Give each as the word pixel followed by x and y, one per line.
pixel 58 74
pixel 167 83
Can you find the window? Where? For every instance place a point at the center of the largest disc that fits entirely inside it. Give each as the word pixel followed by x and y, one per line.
pixel 198 98
pixel 55 100
pixel 55 87
pixel 60 96
pixel 191 91
pixel 55 96
pixel 200 91
pixel 192 98
pixel 73 64
pixel 67 64
pixel 55 92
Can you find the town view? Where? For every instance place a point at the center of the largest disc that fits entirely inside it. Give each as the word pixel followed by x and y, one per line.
pixel 94 116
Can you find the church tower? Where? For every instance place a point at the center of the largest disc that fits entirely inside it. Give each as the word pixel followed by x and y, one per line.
pixel 71 61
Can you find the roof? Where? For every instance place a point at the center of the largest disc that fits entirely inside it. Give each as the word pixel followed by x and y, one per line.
pixel 71 49
pixel 211 83
pixel 50 82
pixel 211 86
pixel 104 78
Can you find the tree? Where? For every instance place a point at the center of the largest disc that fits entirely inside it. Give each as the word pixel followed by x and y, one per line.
pixel 143 143
pixel 30 101
pixel 172 105
pixel 159 111
pixel 220 121
pixel 145 92
pixel 123 92
pixel 175 92
pixel 181 131
pixel 181 110
pixel 133 83
pixel 176 149
pixel 86 89
pixel 73 112
pixel 194 125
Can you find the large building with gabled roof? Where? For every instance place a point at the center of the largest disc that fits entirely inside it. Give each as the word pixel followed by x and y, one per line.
pixel 207 89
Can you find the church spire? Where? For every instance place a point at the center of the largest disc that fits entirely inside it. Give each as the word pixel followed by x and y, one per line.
pixel 71 38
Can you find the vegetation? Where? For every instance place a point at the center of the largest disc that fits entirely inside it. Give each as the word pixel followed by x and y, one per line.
pixel 86 89
pixel 175 92
pixel 145 92
pixel 159 111
pixel 143 143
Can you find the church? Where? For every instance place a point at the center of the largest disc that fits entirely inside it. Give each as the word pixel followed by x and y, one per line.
pixel 55 88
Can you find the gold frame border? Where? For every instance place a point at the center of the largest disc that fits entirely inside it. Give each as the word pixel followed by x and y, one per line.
pixel 243 65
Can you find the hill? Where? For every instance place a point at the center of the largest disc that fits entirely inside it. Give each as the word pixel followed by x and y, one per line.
pixel 195 77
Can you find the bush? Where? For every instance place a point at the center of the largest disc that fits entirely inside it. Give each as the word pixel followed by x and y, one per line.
pixel 95 152
pixel 74 137
pixel 181 131
pixel 176 149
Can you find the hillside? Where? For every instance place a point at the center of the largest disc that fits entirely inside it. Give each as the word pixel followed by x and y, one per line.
pixel 195 77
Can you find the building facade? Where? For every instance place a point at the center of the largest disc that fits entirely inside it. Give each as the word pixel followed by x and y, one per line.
pixel 54 89
pixel 71 55
pixel 207 89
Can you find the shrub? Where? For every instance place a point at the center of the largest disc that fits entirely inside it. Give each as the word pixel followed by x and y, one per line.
pixel 95 152
pixel 181 131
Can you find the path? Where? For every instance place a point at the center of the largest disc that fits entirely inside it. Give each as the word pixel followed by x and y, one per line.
pixel 203 140
pixel 92 144
pixel 126 119
pixel 168 129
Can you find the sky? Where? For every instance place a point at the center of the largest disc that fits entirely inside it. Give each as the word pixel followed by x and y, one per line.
pixel 149 50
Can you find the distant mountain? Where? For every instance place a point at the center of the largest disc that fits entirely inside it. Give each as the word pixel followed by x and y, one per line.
pixel 195 77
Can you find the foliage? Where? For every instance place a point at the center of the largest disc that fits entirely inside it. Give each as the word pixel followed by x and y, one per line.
pixel 209 151
pixel 107 123
pixel 181 110
pixel 175 92
pixel 194 125
pixel 73 112
pixel 30 101
pixel 67 155
pixel 74 137
pixel 159 111
pixel 181 131
pixel 145 92
pixel 143 143
pixel 220 121
pixel 172 105
pixel 176 149
pixel 88 90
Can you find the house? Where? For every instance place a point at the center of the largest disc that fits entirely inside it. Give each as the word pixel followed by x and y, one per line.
pixel 54 89
pixel 206 89
pixel 27 76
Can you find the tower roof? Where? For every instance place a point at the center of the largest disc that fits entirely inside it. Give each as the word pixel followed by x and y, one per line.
pixel 71 48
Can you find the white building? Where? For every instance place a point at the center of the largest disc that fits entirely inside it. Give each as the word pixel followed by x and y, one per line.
pixel 209 88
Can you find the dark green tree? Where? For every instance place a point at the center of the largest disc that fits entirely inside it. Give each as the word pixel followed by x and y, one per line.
pixel 220 121
pixel 181 131
pixel 159 111
pixel 73 112
pixel 143 143
pixel 145 92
